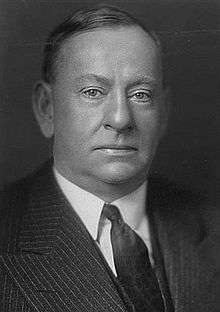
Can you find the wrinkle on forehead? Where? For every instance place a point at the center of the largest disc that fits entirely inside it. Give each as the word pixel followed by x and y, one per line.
pixel 116 51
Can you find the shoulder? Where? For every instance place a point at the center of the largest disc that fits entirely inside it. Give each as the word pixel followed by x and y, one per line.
pixel 175 197
pixel 16 198
pixel 183 208
pixel 18 191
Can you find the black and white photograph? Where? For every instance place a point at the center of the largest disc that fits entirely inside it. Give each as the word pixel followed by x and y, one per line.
pixel 109 156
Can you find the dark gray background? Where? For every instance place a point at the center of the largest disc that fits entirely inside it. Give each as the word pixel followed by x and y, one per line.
pixel 190 32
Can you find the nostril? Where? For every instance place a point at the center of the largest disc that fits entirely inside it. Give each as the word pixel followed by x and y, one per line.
pixel 112 128
pixel 108 127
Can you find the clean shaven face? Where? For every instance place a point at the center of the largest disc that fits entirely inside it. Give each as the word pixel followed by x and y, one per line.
pixel 108 101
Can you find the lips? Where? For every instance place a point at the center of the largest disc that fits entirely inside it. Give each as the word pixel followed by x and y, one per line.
pixel 116 149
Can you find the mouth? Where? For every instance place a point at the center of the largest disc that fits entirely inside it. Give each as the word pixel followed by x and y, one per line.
pixel 117 150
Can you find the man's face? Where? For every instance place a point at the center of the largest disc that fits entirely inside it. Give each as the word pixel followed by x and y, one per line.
pixel 108 101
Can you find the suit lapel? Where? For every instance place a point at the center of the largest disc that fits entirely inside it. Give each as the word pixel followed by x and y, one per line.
pixel 159 266
pixel 56 264
pixel 182 238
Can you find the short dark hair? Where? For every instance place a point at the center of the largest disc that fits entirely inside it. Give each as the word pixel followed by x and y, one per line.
pixel 83 20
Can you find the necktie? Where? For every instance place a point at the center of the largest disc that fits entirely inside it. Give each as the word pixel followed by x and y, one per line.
pixel 132 264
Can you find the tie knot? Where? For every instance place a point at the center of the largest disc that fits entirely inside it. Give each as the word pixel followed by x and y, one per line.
pixel 112 213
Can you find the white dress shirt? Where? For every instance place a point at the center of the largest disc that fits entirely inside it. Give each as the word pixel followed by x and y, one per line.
pixel 89 208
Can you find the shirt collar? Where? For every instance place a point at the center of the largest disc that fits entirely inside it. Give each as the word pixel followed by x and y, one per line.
pixel 133 206
pixel 89 207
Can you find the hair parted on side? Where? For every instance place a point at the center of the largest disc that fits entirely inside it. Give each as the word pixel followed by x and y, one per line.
pixel 84 20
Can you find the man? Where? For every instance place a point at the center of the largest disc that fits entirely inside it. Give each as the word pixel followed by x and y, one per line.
pixel 72 231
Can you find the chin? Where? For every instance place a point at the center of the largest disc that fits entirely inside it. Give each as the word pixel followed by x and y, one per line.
pixel 119 173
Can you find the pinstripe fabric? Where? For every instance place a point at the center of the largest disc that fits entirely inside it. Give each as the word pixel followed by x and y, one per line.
pixel 12 299
pixel 52 263
pixel 189 245
pixel 49 262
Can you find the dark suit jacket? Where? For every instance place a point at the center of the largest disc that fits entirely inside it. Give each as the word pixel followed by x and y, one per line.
pixel 49 262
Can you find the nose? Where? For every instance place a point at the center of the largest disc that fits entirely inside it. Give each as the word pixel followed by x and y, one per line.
pixel 118 114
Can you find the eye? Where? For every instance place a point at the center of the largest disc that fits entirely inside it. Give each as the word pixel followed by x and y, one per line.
pixel 141 96
pixel 92 93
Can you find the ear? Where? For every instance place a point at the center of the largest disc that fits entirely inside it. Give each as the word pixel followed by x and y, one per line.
pixel 165 110
pixel 43 107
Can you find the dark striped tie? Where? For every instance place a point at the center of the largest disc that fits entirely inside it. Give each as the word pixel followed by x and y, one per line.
pixel 132 264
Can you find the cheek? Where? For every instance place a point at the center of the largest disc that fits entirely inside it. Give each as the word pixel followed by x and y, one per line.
pixel 149 127
pixel 75 124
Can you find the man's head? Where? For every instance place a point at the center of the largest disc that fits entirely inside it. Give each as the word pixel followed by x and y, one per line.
pixel 102 98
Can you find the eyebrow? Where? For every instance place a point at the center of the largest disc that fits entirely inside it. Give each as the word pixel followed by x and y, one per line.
pixel 142 80
pixel 98 78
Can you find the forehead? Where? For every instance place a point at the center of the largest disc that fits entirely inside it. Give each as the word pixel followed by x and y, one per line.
pixel 128 50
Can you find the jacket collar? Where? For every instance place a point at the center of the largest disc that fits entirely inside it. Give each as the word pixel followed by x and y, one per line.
pixel 51 255
pixel 187 242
